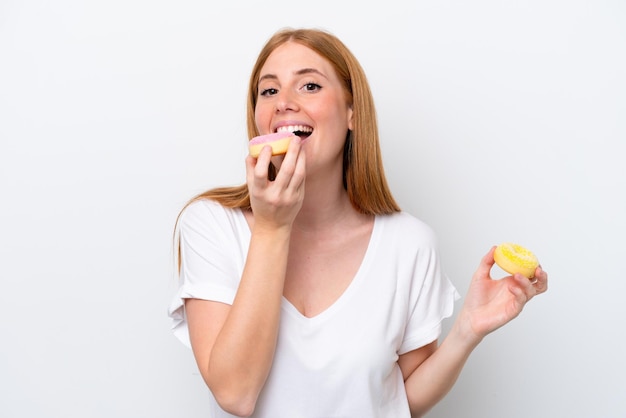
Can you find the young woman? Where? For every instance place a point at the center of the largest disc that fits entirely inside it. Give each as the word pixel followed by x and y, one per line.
pixel 307 292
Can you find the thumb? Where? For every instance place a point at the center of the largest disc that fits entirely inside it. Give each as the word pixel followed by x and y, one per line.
pixel 486 263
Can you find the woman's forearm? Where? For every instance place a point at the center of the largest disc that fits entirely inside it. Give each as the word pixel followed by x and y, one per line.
pixel 434 377
pixel 243 352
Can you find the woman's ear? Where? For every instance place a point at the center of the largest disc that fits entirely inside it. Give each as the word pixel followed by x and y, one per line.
pixel 350 118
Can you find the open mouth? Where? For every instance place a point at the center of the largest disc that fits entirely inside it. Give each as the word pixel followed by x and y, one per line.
pixel 303 131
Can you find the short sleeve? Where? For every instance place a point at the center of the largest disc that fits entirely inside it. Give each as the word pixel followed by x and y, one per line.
pixel 212 254
pixel 431 297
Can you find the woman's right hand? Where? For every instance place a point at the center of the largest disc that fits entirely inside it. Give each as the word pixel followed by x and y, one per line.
pixel 275 204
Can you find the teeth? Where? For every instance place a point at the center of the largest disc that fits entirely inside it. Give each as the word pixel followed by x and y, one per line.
pixel 295 128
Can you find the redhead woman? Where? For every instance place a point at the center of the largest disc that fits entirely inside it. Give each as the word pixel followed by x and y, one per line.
pixel 307 291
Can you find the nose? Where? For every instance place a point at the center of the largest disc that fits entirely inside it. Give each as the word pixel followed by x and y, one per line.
pixel 285 101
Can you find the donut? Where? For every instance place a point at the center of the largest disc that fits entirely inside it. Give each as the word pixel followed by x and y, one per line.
pixel 279 142
pixel 514 258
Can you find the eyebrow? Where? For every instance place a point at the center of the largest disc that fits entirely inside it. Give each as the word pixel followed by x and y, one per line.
pixel 299 72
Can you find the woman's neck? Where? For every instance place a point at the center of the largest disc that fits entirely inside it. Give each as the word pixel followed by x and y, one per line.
pixel 326 204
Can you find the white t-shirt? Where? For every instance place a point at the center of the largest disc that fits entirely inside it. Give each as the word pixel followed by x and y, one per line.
pixel 342 362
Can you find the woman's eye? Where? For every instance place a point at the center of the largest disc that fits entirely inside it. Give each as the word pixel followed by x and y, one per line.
pixel 268 92
pixel 311 87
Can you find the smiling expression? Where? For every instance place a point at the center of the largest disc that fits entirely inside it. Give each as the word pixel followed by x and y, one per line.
pixel 299 91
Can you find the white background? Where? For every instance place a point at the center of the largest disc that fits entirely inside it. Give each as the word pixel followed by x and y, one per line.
pixel 500 121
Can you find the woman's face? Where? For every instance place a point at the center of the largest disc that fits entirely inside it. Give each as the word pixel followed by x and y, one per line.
pixel 299 91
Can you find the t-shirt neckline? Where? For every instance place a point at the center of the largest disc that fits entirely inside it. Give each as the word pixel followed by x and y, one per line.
pixel 291 310
pixel 352 287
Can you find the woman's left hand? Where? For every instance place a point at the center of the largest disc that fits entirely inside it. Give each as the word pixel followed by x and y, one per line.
pixel 490 303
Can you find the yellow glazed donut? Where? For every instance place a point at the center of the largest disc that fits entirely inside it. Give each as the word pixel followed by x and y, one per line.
pixel 279 142
pixel 514 258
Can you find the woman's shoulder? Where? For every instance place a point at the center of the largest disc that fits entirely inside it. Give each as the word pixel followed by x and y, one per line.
pixel 408 227
pixel 206 206
pixel 206 211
